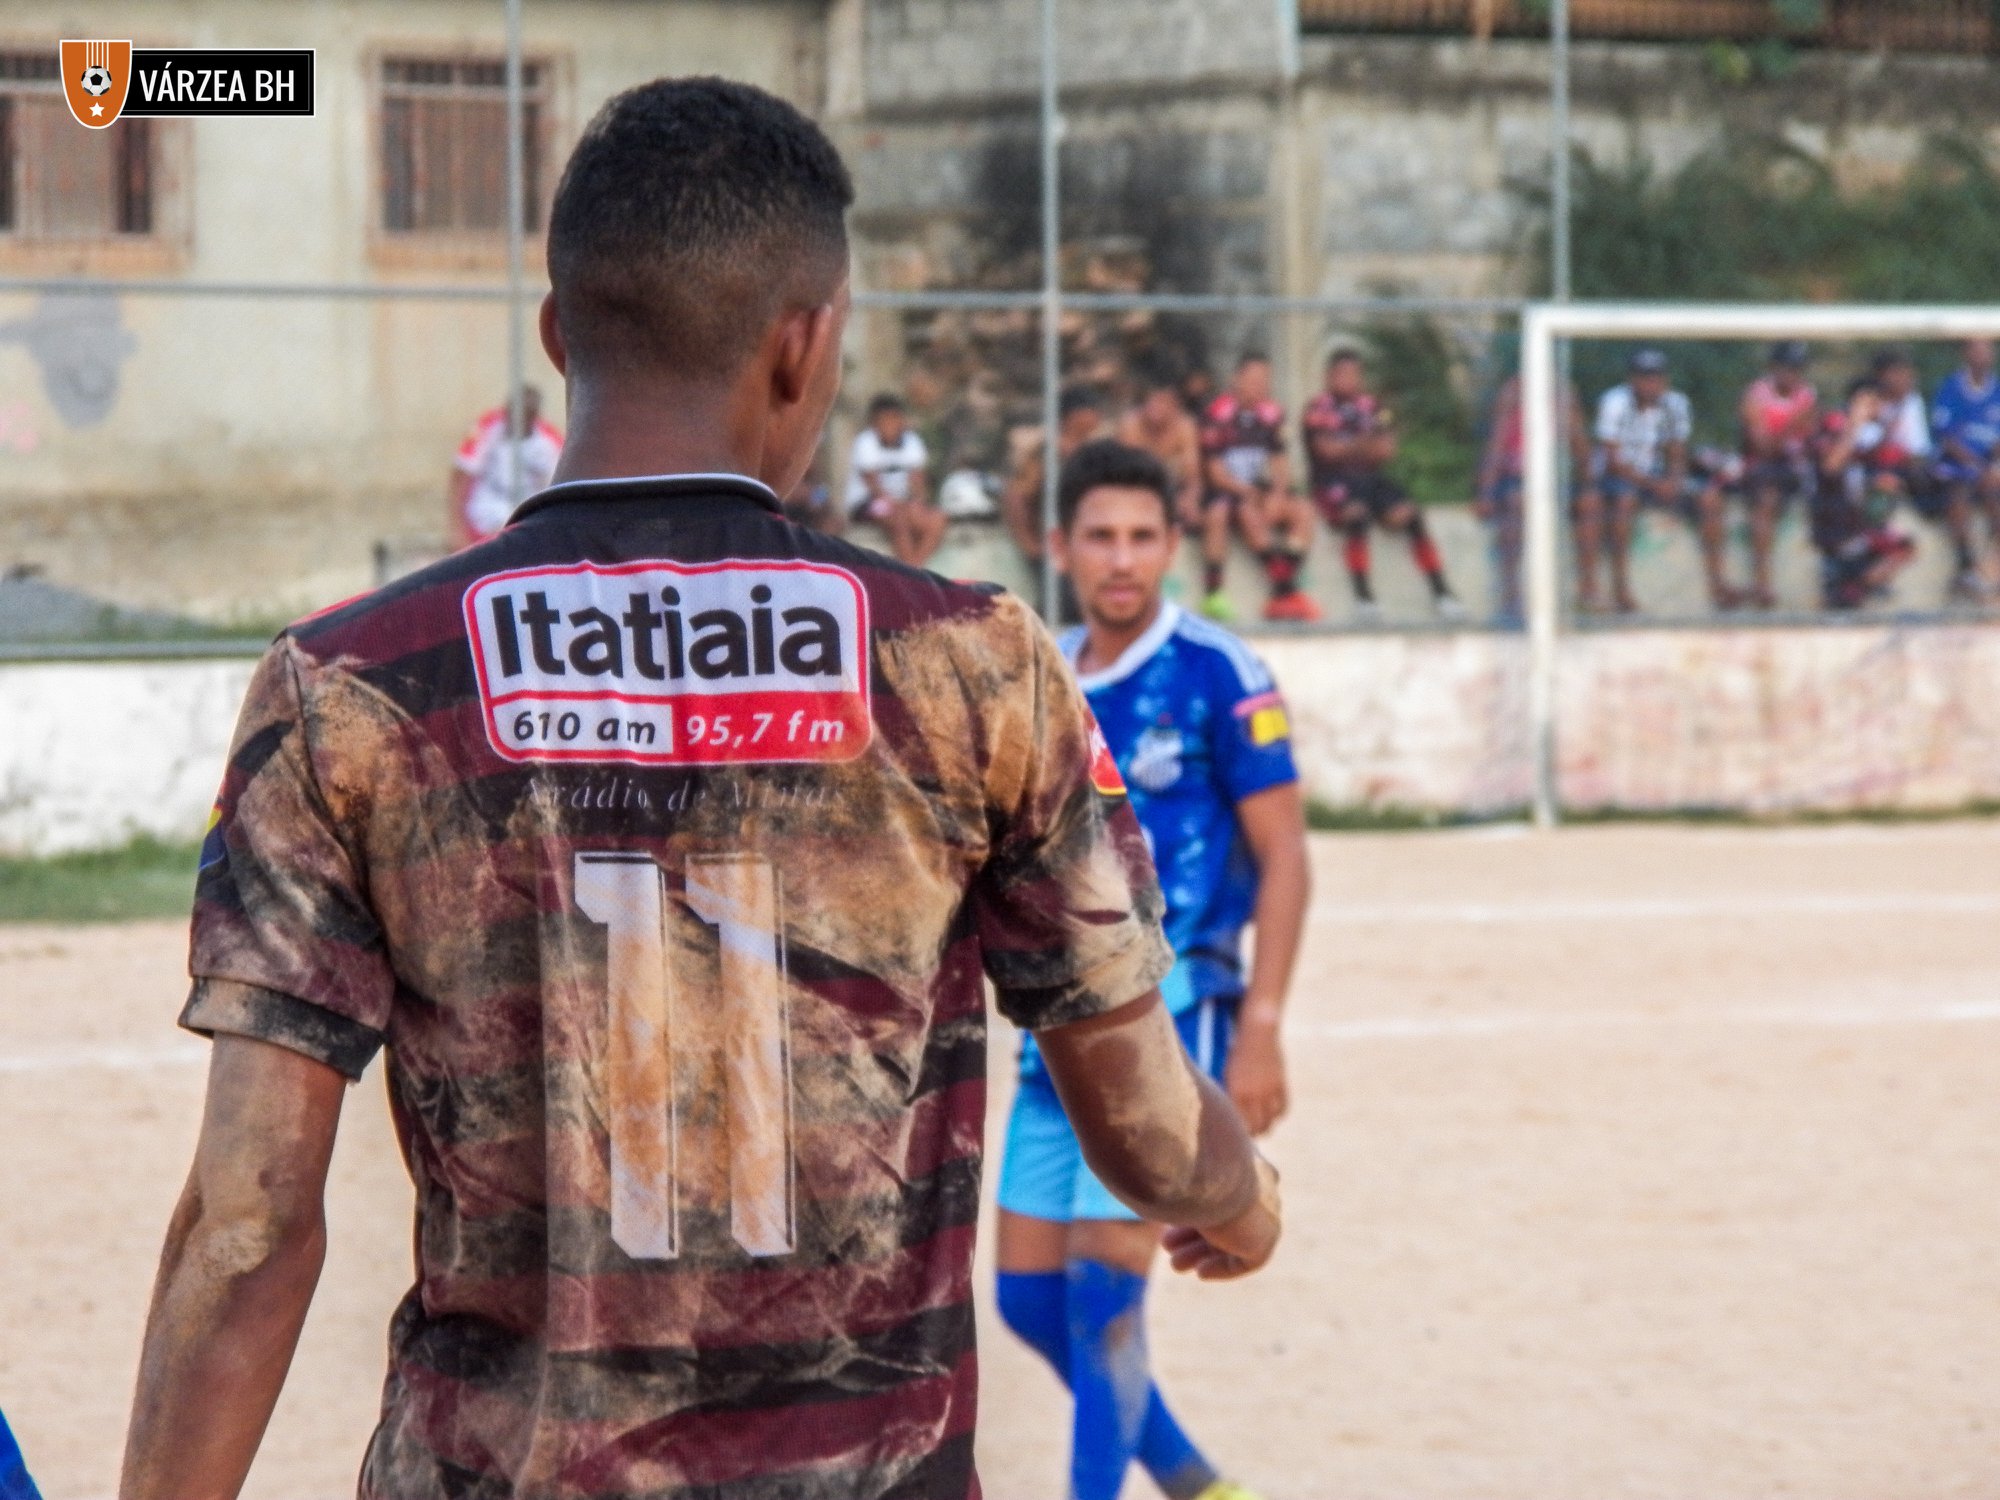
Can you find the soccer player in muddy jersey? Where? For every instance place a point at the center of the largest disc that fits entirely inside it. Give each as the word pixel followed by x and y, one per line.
pixel 665 847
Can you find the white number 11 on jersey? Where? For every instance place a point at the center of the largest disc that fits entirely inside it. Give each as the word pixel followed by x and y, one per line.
pixel 737 895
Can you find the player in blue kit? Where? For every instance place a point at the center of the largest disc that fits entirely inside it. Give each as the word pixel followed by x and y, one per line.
pixel 1201 739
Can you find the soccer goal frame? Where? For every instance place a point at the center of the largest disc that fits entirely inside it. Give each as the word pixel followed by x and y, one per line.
pixel 1543 326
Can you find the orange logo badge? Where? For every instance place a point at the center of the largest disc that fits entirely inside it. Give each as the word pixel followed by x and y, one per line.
pixel 1103 765
pixel 96 78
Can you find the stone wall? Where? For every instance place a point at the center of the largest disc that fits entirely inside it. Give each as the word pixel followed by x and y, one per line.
pixel 925 53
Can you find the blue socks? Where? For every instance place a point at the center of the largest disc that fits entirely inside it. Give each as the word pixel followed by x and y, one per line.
pixel 1089 1323
pixel 14 1481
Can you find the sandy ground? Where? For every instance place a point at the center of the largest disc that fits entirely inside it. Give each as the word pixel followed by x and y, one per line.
pixel 1625 1162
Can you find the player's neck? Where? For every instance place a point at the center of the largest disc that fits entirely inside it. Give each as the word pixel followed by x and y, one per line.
pixel 1104 643
pixel 620 435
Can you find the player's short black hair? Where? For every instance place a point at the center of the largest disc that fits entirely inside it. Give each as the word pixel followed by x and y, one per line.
pixel 1859 384
pixel 1888 359
pixel 1253 357
pixel 692 213
pixel 1345 355
pixel 1107 462
pixel 885 401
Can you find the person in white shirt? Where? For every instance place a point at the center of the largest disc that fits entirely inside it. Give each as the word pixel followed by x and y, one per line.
pixel 1641 458
pixel 888 482
pixel 481 491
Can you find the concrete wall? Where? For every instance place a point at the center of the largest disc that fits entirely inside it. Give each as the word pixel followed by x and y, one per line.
pixel 93 754
pixel 1763 721
pixel 248 454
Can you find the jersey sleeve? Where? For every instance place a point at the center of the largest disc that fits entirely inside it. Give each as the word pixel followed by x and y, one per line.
pixel 1067 907
pixel 1253 736
pixel 1606 428
pixel 285 946
pixel 472 452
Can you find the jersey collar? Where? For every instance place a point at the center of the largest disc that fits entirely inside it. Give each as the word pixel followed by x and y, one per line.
pixel 650 487
pixel 1132 657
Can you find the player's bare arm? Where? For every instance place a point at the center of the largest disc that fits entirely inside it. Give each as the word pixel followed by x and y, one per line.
pixel 1760 443
pixel 1274 826
pixel 1281 472
pixel 1164 1139
pixel 242 1257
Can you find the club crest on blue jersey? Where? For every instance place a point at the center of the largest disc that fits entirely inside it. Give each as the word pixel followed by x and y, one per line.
pixel 1155 762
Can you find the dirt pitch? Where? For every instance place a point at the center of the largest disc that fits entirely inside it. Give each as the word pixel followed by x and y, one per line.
pixel 1626 1162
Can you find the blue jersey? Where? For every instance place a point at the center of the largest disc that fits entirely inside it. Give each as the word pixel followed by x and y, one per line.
pixel 1968 413
pixel 1196 725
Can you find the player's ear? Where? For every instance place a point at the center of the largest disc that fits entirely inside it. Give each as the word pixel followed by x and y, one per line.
pixel 807 342
pixel 552 339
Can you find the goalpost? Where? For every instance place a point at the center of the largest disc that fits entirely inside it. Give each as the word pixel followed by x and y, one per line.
pixel 1542 325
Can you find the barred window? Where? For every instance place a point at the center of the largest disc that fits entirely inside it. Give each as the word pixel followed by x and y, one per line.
pixel 444 144
pixel 59 181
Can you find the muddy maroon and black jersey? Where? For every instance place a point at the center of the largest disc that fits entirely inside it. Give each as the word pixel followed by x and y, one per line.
pixel 1245 436
pixel 665 847
pixel 1331 416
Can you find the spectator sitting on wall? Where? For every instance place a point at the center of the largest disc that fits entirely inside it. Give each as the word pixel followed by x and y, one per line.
pixel 888 482
pixel 1857 490
pixel 1965 421
pixel 481 493
pixel 1500 476
pixel 1079 419
pixel 1779 413
pixel 1643 426
pixel 1161 426
pixel 1249 483
pixel 1903 447
pixel 1350 439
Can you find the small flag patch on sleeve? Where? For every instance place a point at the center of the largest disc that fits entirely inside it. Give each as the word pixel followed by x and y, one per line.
pixel 212 846
pixel 1268 723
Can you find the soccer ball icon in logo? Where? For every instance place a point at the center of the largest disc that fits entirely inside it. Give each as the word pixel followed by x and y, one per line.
pixel 96 81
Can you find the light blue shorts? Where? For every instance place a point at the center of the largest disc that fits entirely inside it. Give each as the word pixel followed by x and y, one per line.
pixel 1042 1174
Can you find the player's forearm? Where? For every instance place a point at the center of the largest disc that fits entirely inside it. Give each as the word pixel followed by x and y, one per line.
pixel 227 1310
pixel 1284 891
pixel 1164 1139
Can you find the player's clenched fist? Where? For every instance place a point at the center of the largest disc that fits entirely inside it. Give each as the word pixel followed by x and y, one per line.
pixel 1237 1247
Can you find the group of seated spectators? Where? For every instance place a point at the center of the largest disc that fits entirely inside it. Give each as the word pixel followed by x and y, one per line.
pixel 1852 465
pixel 1227 455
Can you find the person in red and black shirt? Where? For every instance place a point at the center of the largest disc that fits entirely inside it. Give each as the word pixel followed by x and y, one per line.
pixel 666 847
pixel 1249 482
pixel 1858 488
pixel 1350 439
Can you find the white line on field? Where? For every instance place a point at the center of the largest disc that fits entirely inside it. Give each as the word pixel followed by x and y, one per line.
pixel 1431 1028
pixel 112 1059
pixel 1653 910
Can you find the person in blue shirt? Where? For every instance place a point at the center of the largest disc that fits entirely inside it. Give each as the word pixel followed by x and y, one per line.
pixel 1200 737
pixel 1965 423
